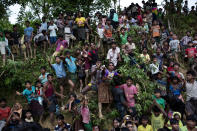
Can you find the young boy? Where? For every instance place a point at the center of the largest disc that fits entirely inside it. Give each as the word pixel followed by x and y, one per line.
pixel 145 126
pixel 49 95
pixel 29 92
pixel 52 29
pixel 130 91
pixel 174 124
pixel 61 45
pixel 157 118
pixel 154 68
pixel 190 124
pixel 61 124
pixel 155 29
pixel 123 36
pixel 39 92
pixel 4 112
pixel 28 36
pixel 43 77
pixel 71 66
pixel 190 53
pixel 158 99
pixel 175 47
pixel 61 74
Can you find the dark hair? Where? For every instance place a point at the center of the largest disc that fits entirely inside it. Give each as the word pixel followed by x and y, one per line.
pixel 3 100
pixel 27 21
pixel 117 80
pixel 60 117
pixel 60 36
pixel 175 78
pixel 73 94
pixel 128 122
pixel 129 36
pixel 174 121
pixel 111 63
pixel 14 26
pixel 144 117
pixel 67 52
pixel 57 57
pixel 191 73
pixel 27 82
pixel 117 119
pixel 49 75
pixel 129 78
pixel 38 82
pixel 16 113
pixel 43 67
pixel 191 118
pixel 157 91
pixel 156 109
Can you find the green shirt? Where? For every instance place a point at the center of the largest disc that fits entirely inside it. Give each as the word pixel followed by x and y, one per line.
pixel 160 101
pixel 123 38
pixel 184 128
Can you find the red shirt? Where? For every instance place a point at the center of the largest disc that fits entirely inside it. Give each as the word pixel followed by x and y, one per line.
pixel 4 113
pixel 191 52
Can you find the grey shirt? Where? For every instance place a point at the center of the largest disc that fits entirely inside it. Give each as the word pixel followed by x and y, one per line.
pixel 191 90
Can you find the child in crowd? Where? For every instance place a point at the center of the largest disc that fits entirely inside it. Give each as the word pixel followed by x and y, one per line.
pixel 155 29
pixel 61 45
pixel 176 116
pixel 154 68
pixel 157 118
pixel 175 47
pixel 158 99
pixel 130 91
pixel 145 56
pixel 61 124
pixel 123 36
pixel 4 112
pixel 81 72
pixel 190 53
pixel 72 102
pixel 28 32
pixel 85 113
pixel 43 77
pixel 129 45
pixel 28 116
pixel 190 124
pixel 39 92
pixel 52 29
pixel 100 31
pixel 144 124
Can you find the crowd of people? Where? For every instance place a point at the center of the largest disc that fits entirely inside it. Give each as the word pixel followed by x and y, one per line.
pixel 158 53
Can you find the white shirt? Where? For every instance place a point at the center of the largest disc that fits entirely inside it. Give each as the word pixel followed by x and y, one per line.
pixel 131 46
pixel 113 55
pixel 52 29
pixel 43 27
pixel 191 90
pixel 154 68
pixel 100 32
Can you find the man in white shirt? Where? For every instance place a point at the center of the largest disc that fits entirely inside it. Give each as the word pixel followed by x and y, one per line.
pixel 52 29
pixel 191 92
pixel 43 25
pixel 113 54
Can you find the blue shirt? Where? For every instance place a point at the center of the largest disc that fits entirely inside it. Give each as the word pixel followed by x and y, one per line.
pixel 175 91
pixel 29 94
pixel 59 70
pixel 71 64
pixel 43 79
pixel 28 31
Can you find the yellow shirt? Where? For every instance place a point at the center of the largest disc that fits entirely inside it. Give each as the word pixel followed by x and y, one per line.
pixel 148 128
pixel 157 122
pixel 180 124
pixel 80 21
pixel 145 58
